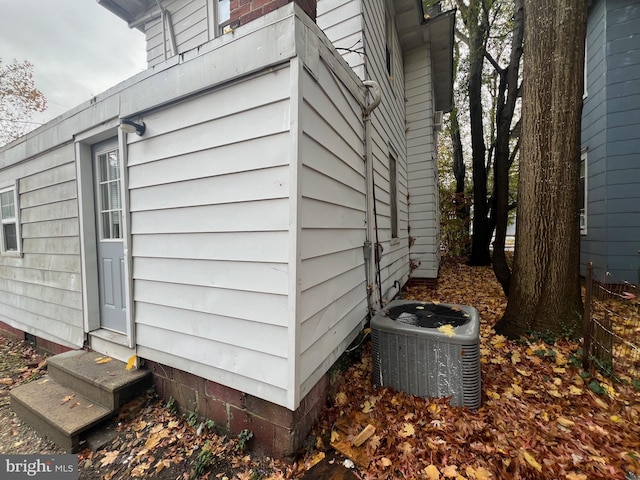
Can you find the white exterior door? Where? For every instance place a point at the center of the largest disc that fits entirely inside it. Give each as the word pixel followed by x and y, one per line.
pixel 109 236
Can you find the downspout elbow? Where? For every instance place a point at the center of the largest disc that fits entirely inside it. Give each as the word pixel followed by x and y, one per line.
pixel 374 88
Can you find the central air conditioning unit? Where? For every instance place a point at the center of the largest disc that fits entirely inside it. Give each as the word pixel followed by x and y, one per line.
pixel 429 350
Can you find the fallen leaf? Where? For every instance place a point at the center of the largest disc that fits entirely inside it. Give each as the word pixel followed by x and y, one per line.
pixel 432 472
pixel 341 398
pixel 575 476
pixel 317 458
pixel 162 464
pixel 565 422
pixel 448 330
pixel 102 360
pixel 131 363
pixel 109 458
pixel 385 462
pixel 450 471
pixel 531 461
pixel 408 430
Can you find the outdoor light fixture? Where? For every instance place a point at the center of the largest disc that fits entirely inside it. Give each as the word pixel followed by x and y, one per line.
pixel 129 126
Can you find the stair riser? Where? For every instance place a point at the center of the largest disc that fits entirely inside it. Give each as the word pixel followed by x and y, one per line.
pixel 105 397
pixel 40 424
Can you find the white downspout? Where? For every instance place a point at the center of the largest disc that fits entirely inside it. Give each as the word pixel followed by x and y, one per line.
pixel 165 18
pixel 370 243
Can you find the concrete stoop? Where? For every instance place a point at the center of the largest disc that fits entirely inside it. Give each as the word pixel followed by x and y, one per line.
pixel 81 391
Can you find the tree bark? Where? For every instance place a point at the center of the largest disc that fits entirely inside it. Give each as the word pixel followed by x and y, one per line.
pixel 545 285
pixel 478 25
pixel 507 98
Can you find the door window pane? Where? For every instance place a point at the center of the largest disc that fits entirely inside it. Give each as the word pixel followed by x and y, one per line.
pixel 109 195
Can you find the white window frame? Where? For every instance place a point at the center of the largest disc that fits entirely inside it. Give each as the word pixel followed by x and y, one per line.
pixel 584 178
pixel 13 220
pixel 216 28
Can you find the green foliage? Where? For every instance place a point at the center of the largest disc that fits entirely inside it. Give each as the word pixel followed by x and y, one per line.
pixel 243 438
pixel 202 463
pixel 171 405
pixel 636 384
pixel 595 387
pixel 192 419
pixel 454 222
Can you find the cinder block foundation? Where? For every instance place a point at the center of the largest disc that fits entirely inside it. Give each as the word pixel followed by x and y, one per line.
pixel 277 431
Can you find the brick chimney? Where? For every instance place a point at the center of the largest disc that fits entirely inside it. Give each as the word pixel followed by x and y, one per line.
pixel 244 11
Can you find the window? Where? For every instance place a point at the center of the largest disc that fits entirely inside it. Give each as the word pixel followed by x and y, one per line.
pixel 109 201
pixel 583 192
pixel 9 217
pixel 224 15
pixel 393 195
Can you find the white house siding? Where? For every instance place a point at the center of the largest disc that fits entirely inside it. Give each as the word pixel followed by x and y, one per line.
pixel 40 292
pixel 422 165
pixel 209 188
pixel 332 210
pixel 388 137
pixel 190 20
pixel 341 21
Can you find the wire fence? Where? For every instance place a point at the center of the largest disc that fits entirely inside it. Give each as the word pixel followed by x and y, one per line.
pixel 612 326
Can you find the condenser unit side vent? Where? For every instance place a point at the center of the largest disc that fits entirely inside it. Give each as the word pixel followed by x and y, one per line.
pixel 427 362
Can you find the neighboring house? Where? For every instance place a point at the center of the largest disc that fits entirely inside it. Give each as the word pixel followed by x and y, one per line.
pixel 231 244
pixel 610 170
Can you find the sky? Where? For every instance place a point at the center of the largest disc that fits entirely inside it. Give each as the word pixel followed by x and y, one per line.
pixel 77 47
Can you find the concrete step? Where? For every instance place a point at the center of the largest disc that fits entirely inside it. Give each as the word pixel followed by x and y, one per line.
pixel 58 412
pixel 100 379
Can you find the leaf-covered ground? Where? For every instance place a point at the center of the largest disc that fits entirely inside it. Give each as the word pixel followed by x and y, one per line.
pixel 541 418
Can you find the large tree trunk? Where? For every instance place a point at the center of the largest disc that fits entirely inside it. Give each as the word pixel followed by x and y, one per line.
pixel 477 23
pixel 545 286
pixel 508 94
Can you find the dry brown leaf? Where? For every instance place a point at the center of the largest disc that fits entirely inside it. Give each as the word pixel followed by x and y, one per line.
pixel 432 472
pixel 109 457
pixel 531 461
pixel 408 430
pixel 450 471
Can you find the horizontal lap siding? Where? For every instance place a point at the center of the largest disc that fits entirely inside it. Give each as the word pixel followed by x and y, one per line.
pixel 611 125
pixel 388 136
pixel 209 218
pixel 623 142
pixel 332 211
pixel 40 292
pixel 594 124
pixel 341 21
pixel 190 20
pixel 423 188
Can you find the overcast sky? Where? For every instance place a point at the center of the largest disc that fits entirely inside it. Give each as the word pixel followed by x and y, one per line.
pixel 77 47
